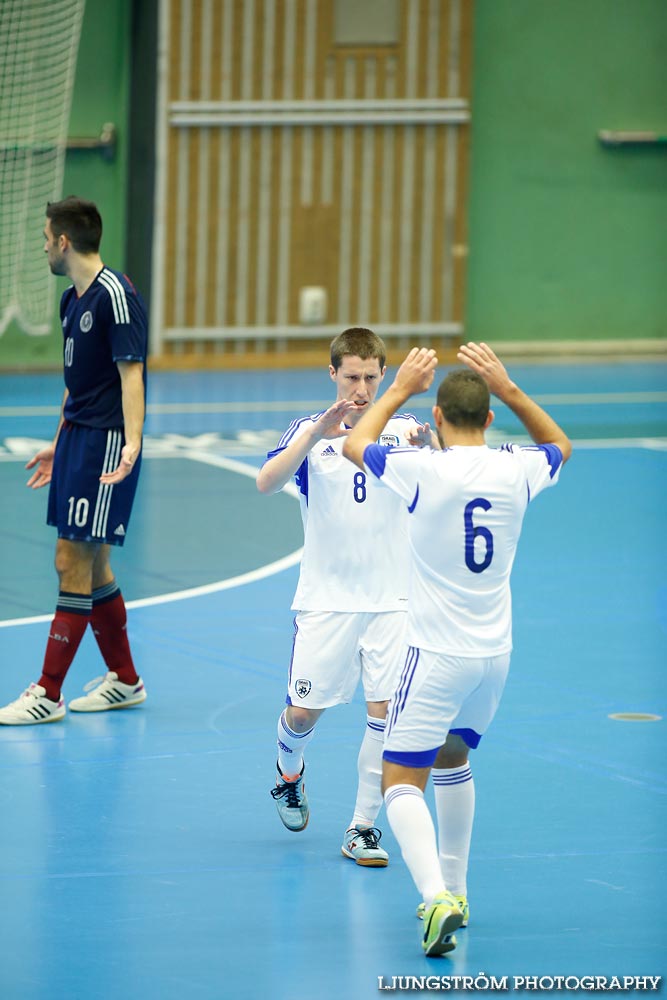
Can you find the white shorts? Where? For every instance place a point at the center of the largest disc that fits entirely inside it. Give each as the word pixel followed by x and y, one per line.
pixel 333 650
pixel 439 694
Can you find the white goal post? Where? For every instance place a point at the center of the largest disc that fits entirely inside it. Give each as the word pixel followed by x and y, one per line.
pixel 39 41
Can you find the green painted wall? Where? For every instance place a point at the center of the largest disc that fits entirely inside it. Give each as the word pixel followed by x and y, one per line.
pixel 101 92
pixel 568 240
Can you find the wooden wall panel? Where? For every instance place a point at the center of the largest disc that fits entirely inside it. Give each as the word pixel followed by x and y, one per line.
pixel 277 173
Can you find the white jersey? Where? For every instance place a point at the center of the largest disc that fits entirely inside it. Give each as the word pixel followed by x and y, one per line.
pixel 355 551
pixel 466 509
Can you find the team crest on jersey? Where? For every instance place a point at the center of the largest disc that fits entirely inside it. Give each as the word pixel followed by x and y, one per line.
pixel 302 687
pixel 388 440
pixel 86 321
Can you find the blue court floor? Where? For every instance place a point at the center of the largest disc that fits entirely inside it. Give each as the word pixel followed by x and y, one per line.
pixel 140 852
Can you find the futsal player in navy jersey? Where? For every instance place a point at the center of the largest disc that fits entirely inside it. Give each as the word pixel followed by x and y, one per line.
pixel 92 466
pixel 466 506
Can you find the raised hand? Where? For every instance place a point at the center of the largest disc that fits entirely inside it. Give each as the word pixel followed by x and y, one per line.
pixel 481 359
pixel 420 436
pixel 330 423
pixel 417 371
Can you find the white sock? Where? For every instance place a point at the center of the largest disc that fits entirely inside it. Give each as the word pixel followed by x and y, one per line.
pixel 455 808
pixel 369 766
pixel 411 822
pixel 291 746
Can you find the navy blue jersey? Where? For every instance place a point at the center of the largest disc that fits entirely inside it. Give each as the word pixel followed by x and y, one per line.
pixel 106 325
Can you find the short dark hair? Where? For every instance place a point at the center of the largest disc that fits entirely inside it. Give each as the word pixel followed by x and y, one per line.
pixel 464 399
pixel 77 219
pixel 360 343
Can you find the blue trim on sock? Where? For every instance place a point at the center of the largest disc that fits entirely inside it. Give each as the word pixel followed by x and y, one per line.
pixel 397 791
pixel 290 732
pixel 452 776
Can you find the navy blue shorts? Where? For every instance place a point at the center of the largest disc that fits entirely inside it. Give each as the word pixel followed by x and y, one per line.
pixel 81 507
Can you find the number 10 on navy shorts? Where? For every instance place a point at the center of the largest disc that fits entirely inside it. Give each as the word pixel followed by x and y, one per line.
pixel 80 506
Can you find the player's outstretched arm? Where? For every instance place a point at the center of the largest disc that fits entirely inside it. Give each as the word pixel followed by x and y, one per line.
pixel 44 457
pixel 414 376
pixel 542 428
pixel 422 437
pixel 278 471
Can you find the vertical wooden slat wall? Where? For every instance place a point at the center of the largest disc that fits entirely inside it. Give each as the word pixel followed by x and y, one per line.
pixel 256 209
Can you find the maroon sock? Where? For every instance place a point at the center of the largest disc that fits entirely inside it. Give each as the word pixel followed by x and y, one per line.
pixel 69 623
pixel 109 624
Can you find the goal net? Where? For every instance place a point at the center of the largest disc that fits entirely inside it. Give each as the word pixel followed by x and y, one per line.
pixel 39 40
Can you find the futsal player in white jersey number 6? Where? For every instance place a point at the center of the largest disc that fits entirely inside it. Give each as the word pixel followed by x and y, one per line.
pixel 91 468
pixel 351 596
pixel 466 505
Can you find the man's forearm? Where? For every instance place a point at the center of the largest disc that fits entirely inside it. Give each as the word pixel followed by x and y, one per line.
pixel 542 428
pixel 134 407
pixel 279 470
pixel 373 423
pixel 61 420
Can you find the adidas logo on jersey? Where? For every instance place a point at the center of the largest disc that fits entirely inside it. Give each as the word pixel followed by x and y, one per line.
pixel 328 451
pixel 120 530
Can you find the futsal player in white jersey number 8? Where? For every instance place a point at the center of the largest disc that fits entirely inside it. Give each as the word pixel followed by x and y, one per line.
pixel 92 466
pixel 466 505
pixel 351 596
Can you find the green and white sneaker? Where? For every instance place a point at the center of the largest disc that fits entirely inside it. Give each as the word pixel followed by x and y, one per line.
pixel 105 693
pixel 291 800
pixel 362 844
pixel 31 708
pixel 442 918
pixel 463 907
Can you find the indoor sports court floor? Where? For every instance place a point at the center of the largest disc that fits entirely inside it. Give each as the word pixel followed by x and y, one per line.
pixel 140 852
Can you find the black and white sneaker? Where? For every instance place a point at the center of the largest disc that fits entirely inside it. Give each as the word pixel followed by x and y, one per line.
pixel 108 692
pixel 32 708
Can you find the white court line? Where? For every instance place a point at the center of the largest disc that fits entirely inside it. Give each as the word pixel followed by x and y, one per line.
pixel 209 588
pixel 656 444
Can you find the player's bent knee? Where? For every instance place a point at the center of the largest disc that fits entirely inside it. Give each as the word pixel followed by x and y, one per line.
pixel 302 719
pixel 377 709
pixel 455 750
pixel 73 558
pixel 451 759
